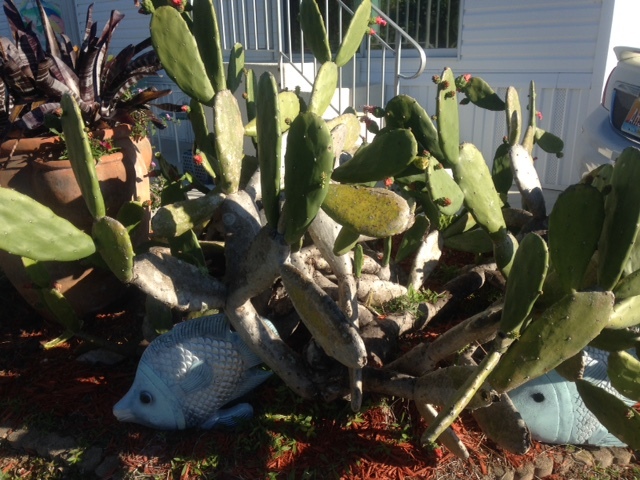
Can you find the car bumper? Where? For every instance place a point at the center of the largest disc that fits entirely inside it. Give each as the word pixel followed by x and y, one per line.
pixel 599 142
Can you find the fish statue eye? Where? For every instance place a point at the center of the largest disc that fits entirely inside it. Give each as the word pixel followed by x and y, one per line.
pixel 538 397
pixel 145 398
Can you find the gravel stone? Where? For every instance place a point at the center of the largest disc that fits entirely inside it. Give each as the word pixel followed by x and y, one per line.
pixel 543 466
pixel 584 457
pixel 91 459
pixel 621 456
pixel 603 457
pixel 53 445
pixel 525 472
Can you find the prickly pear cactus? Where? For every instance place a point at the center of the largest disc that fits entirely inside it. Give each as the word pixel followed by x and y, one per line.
pixel 82 161
pixel 308 164
pixel 40 234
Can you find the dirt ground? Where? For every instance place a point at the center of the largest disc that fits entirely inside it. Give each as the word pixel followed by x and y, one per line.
pixel 56 423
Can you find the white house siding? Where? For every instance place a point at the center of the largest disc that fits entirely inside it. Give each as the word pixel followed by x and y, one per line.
pixel 510 43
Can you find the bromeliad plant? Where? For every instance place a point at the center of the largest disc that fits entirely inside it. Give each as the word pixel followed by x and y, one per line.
pixel 34 78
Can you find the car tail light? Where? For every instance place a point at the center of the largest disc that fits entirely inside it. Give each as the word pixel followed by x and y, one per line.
pixel 604 102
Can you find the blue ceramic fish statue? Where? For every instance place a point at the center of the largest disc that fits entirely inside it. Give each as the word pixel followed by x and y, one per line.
pixel 186 375
pixel 554 411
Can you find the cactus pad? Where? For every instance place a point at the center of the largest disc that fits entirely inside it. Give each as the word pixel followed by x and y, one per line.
pixel 559 333
pixel 324 87
pixel 315 33
pixel 114 245
pixel 387 155
pixel 80 157
pixel 353 37
pixel 178 51
pixel 572 239
pixel 448 123
pixel 229 140
pixel 207 35
pixel 31 230
pixel 375 212
pixel 308 164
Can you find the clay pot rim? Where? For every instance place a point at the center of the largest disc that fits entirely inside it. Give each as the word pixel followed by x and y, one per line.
pixel 26 145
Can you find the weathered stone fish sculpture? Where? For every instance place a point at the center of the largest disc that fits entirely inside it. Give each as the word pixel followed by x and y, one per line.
pixel 187 375
pixel 554 411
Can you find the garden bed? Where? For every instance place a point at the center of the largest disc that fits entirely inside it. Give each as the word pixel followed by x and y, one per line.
pixel 56 423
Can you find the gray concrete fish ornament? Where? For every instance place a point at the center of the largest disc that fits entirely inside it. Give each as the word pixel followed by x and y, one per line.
pixel 187 375
pixel 554 411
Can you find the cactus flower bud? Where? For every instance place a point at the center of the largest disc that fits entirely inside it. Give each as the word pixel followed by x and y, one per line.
pixel 388 182
pixel 197 158
pixel 372 32
pixel 450 94
pixel 381 21
pixel 436 79
pixel 539 115
pixel 185 108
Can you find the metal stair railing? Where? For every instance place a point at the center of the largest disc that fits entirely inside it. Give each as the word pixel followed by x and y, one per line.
pixel 373 59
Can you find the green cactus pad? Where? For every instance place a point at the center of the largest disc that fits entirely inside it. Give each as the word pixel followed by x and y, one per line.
pixel 559 333
pixel 178 52
pixel 443 189
pixel 472 241
pixel 505 247
pixel 480 196
pixel 322 316
pixel 187 248
pixel 403 111
pixel 308 164
pixel 114 245
pixel 480 93
pixel 514 116
pixel 448 118
pixel 501 172
pixel 289 107
pixel 131 215
pixel 413 238
pixel 29 229
pixel 548 141
pixel 626 313
pixel 628 287
pixel 61 309
pixel 525 281
pixel 269 146
pixel 618 418
pixel 623 370
pixel 346 240
pixel 207 35
pixel 353 129
pixel 250 90
pixel 622 219
pixel 461 224
pixel 375 212
pixel 235 68
pixel 203 139
pixel 324 87
pixel 315 33
pixel 358 260
pixel 353 37
pixel 572 239
pixel 176 218
pixel 599 177
pixel 229 140
pixel 82 161
pixel 387 155
pixel 614 340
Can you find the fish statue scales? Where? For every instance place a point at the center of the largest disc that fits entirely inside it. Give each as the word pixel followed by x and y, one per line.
pixel 188 374
pixel 553 410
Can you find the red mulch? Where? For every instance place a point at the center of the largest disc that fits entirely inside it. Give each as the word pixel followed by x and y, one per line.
pixel 48 389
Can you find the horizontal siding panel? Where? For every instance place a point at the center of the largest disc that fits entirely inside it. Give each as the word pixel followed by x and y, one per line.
pixel 542 36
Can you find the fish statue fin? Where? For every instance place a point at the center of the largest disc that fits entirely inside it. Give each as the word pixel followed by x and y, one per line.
pixel 212 325
pixel 199 375
pixel 229 417
pixel 253 378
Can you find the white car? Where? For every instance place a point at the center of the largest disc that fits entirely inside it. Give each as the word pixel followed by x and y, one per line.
pixel 615 124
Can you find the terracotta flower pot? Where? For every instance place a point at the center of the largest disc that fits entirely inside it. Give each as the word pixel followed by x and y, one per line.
pixel 32 166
